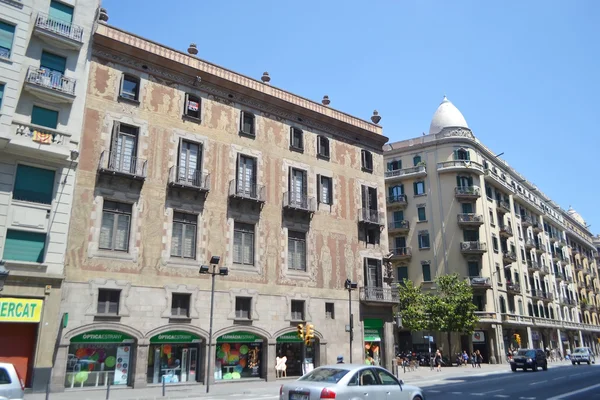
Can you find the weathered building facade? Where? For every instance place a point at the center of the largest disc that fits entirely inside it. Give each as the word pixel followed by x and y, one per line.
pixel 183 160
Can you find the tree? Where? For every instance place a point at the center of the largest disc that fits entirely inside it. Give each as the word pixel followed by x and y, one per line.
pixel 411 306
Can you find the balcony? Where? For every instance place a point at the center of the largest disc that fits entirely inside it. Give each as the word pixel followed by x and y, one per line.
pixel 398 226
pixel 533 266
pixel 398 202
pixel 39 142
pixel 539 248
pixel 60 33
pixel 526 221
pixel 578 267
pixel 537 227
pixel 299 202
pixel 547 297
pixel 473 247
pixel 246 191
pixel 189 178
pixel 544 270
pixel 371 217
pixel 569 278
pixel 119 164
pixel 529 243
pixel 480 282
pixel 513 288
pixel 486 316
pixel 401 253
pixel 506 231
pixel 467 192
pixel 470 219
pixel 508 257
pixel 502 206
pixel 460 166
pixel 586 271
pixel 405 173
pixel 559 275
pixel 574 251
pixel 379 295
pixel 553 239
pixel 50 85
pixel 555 257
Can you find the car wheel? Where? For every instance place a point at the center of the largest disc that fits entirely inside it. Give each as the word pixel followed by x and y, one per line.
pixel 589 363
pixel 534 368
pixel 513 369
pixel 417 398
pixel 578 362
pixel 573 362
pixel 545 367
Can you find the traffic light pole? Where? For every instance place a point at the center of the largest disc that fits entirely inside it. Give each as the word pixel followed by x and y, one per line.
pixel 351 321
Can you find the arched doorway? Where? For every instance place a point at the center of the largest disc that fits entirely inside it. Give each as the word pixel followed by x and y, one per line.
pixel 175 357
pixel 292 350
pixel 239 355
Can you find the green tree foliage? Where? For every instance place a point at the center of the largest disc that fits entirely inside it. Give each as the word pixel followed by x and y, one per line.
pixel 411 306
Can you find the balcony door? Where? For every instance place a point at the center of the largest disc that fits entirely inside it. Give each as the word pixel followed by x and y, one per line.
pixel 190 160
pixel 373 276
pixel 246 176
pixel 298 187
pixel 464 181
pixel 124 149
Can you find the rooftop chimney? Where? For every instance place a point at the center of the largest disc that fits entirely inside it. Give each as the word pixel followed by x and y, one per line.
pixel 325 100
pixel 193 50
pixel 265 77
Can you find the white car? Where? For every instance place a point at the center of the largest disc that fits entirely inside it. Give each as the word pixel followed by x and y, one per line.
pixel 583 355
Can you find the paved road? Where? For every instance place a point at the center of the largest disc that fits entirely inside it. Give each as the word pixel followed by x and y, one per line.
pixel 561 383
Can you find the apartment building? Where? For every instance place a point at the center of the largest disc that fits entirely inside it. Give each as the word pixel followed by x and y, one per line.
pixel 183 161
pixel 44 51
pixel 455 207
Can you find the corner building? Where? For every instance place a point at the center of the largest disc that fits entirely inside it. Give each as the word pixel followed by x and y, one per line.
pixel 183 160
pixel 455 207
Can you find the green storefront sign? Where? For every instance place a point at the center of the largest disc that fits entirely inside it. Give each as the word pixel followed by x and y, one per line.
pixel 239 337
pixel 175 337
pixel 372 335
pixel 102 336
pixel 290 337
pixel 373 327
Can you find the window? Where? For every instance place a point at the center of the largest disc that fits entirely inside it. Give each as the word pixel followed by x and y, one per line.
pixel 394 165
pixel 189 163
pixel 329 311
pixel 246 176
pixel 373 273
pixel 33 184
pixel 298 187
pixel 54 66
pixel 402 273
pixel 495 243
pixel 7 33
pixel 369 198
pixel 297 310
pixel 24 246
pixel 60 12
pixel 395 193
pixel 373 235
pixel 498 274
pixel 491 217
pixel 296 139
pixel 423 240
pixel 464 181
pixel 386 378
pixel 243 243
pixel 108 301
pixel 488 192
pixel 426 272
pixel 325 189
pixel 123 154
pixel 461 154
pixel 473 267
pixel 192 106
pixel 180 305
pixel 398 216
pixel 242 307
pixel 421 213
pixel 297 250
pixel 367 160
pixel 44 117
pixel 247 123
pixel 116 221
pixel 419 188
pixel 183 240
pixel 130 87
pixel 1 94
pixel 471 235
pixel 323 147
pixel 416 160
pixel 4 377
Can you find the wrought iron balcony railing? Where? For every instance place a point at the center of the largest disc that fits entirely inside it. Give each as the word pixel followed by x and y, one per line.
pixel 61 28
pixel 299 201
pixel 51 80
pixel 247 191
pixel 397 200
pixel 369 216
pixel 114 162
pixel 467 191
pixel 189 178
pixel 379 294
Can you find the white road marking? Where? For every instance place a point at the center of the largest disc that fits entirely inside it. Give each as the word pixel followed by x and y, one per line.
pixel 527 398
pixel 559 378
pixel 456 392
pixel 501 395
pixel 537 383
pixel 434 391
pixel 565 395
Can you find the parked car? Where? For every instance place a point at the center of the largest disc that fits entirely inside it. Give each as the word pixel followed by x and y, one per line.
pixel 529 358
pixel 349 381
pixel 12 386
pixel 583 355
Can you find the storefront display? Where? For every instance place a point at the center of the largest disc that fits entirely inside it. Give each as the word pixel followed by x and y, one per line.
pixel 372 341
pixel 97 357
pixel 173 357
pixel 238 355
pixel 290 346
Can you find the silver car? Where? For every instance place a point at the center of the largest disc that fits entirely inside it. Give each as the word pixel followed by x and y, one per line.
pixel 583 355
pixel 349 381
pixel 12 386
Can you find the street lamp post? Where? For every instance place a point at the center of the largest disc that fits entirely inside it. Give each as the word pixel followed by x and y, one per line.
pixel 350 286
pixel 223 271
pixel 3 274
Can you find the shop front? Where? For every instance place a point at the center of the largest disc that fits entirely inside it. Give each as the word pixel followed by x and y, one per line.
pixel 238 356
pixel 289 354
pixel 99 358
pixel 537 339
pixel 373 333
pixel 19 320
pixel 174 357
pixel 480 342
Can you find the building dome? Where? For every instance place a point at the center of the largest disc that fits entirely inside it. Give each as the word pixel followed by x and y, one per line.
pixel 575 215
pixel 447 115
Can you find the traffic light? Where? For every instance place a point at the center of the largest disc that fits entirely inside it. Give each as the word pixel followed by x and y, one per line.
pixel 310 334
pixel 300 329
pixel 517 338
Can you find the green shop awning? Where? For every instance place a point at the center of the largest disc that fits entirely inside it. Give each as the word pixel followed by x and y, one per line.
pixel 374 323
pixel 290 337
pixel 372 335
pixel 239 337
pixel 102 336
pixel 175 337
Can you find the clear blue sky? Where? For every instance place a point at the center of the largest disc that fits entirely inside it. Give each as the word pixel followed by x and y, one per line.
pixel 525 73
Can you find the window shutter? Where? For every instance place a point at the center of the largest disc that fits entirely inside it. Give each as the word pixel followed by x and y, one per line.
pixel 186 104
pixel 363 156
pixel 456 154
pixel 468 154
pixel 304 183
pixel 470 180
pixel 292 136
pixel 379 274
pixel 365 197
pixel 330 190
pixel 458 181
pixel 415 188
pixel 115 136
pixel 319 188
pixel 7 32
pixel 290 184
pixel 241 121
pixel 237 173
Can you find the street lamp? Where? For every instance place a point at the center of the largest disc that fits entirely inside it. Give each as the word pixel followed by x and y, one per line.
pixel 350 286
pixel 3 274
pixel 223 271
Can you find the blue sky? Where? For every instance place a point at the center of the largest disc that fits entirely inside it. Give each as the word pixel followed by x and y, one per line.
pixel 525 74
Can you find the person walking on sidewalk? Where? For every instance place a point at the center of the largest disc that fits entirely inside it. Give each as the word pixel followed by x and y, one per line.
pixel 438 360
pixel 473 359
pixel 479 358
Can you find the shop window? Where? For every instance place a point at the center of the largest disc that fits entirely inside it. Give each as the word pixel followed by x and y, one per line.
pixel 35 185
pixel 297 310
pixel 247 124
pixel 192 106
pixel 108 301
pixel 323 147
pixel 116 221
pixel 243 307
pixel 297 250
pixel 183 240
pixel 243 243
pixel 130 87
pixel 180 305
pixel 296 139
pixel 367 161
pixel 329 311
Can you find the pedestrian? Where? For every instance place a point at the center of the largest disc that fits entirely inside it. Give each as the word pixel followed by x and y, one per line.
pixel 340 359
pixel 473 359
pixel 438 360
pixel 479 358
pixel 465 358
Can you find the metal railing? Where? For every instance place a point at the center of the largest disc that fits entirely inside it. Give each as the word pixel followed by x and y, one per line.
pixel 379 294
pixel 467 191
pixel 526 220
pixel 371 216
pixel 419 169
pixel 470 218
pixel 536 226
pixel 189 177
pixel 51 80
pixel 117 162
pixel 473 246
pixel 399 225
pixel 399 199
pixel 246 190
pixel 506 230
pixel 299 201
pixel 4 52
pixel 529 243
pixel 402 252
pixel 503 205
pixel 62 28
pixel 513 287
pixel 533 265
pixel 509 256
pixel 480 281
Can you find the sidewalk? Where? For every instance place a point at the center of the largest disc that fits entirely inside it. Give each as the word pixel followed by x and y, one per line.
pixel 423 376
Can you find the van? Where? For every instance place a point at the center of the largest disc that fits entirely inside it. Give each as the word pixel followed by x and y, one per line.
pixel 12 386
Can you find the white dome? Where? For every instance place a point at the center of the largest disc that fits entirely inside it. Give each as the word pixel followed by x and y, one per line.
pixel 575 215
pixel 447 115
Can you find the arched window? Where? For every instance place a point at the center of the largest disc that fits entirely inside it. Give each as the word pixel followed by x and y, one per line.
pixel 520 305
pixel 530 309
pixel 550 312
pixel 416 160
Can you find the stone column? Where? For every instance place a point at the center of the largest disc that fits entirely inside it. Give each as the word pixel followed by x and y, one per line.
pixel 529 338
pixel 57 380
pixel 210 375
pixel 141 366
pixel 268 359
pixel 323 360
pixel 388 346
pixel 580 338
pixel 560 343
pixel 493 344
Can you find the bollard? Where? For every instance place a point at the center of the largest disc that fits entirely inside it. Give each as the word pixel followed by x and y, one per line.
pixel 107 389
pixel 163 386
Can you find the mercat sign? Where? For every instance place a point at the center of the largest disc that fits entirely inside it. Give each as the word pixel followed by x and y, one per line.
pixel 20 310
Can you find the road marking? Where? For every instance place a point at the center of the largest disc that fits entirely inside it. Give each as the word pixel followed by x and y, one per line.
pixel 565 395
pixel 501 395
pixel 537 383
pixel 560 377
pixel 434 391
pixel 527 398
pixel 456 392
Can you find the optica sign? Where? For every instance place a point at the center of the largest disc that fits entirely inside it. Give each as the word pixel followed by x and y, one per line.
pixel 20 310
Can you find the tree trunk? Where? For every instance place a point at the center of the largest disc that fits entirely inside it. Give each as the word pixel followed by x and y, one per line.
pixel 449 347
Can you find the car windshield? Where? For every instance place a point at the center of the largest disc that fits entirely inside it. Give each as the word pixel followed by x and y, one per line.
pixel 331 375
pixel 581 350
pixel 528 353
